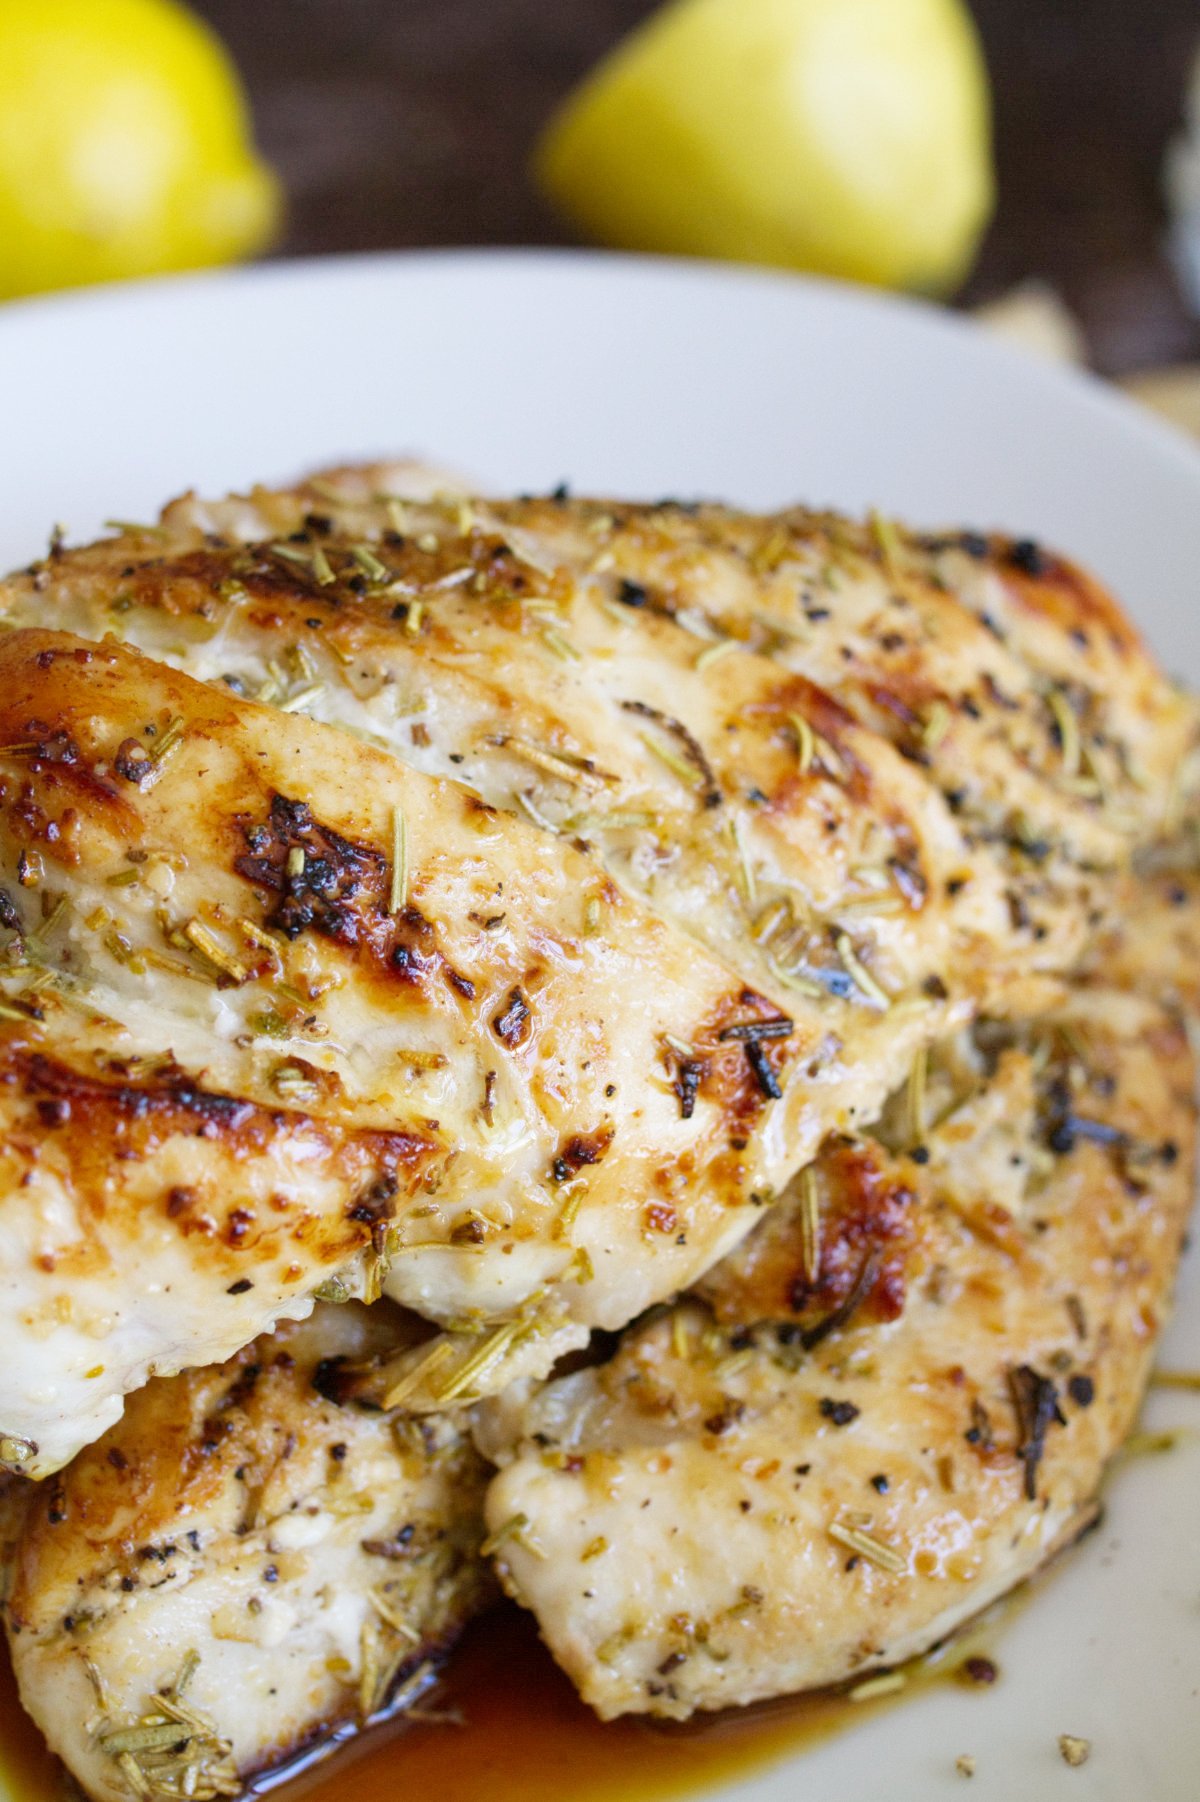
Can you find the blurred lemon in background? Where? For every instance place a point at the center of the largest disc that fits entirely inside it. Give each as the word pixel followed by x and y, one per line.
pixel 850 137
pixel 124 145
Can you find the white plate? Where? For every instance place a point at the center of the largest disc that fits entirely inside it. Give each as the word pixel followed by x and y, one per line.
pixel 646 379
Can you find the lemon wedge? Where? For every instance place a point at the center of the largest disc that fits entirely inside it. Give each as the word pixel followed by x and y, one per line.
pixel 124 145
pixel 849 137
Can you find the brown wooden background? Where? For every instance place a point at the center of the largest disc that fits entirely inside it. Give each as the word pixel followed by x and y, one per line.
pixel 401 123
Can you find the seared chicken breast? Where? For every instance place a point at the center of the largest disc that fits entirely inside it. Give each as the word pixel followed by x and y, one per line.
pixel 280 1011
pixel 889 1405
pixel 243 1565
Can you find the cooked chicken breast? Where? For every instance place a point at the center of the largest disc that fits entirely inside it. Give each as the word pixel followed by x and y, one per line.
pixel 279 1010
pixel 890 1405
pixel 1152 941
pixel 241 1566
pixel 616 671
pixel 1001 668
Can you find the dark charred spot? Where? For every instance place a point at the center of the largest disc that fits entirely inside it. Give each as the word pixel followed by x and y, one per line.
pixel 9 916
pixel 321 880
pixel 397 1547
pixel 334 1380
pixel 133 761
pixel 631 594
pixel 689 1074
pixel 839 1412
pixel 728 1415
pixel 1082 1390
pixel 979 1433
pixel 241 1390
pixel 375 1206
pixel 580 1150
pixel 1027 556
pixel 240 1287
pixel 511 1022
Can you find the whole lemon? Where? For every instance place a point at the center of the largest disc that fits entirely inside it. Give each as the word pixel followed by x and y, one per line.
pixel 850 137
pixel 124 145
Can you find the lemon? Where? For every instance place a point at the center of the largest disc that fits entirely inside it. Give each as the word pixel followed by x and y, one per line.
pixel 850 137
pixel 124 145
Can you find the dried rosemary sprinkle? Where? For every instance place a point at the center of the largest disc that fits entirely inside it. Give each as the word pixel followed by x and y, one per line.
pixel 867 1546
pixel 152 1737
pixel 917 1085
pixel 211 948
pixel 513 1528
pixel 748 885
pixel 369 563
pixel 860 975
pixel 398 897
pixel 415 1375
pixel 810 1225
pixel 494 1348
pixel 567 766
pixel 297 702
pixel 383 1608
pixel 562 647
pixel 1067 726
pixel 715 652
pixel 935 727
pixel 169 742
pixel 321 567
pixel 687 772
pixel 806 742
pixel 887 538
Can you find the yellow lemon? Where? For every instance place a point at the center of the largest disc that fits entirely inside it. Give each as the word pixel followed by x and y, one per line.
pixel 851 137
pixel 124 145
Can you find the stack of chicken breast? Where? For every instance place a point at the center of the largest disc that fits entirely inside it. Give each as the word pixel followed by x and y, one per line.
pixel 632 1055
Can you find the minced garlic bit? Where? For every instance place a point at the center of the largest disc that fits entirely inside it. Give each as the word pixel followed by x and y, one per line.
pixel 1075 1751
pixel 964 1764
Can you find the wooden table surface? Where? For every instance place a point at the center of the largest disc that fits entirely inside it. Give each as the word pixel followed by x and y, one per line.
pixel 402 123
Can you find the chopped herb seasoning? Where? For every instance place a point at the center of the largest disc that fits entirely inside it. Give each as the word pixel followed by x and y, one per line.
pixel 764 1075
pixel 841 1413
pixel 867 1546
pixel 1035 1400
pixel 398 899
